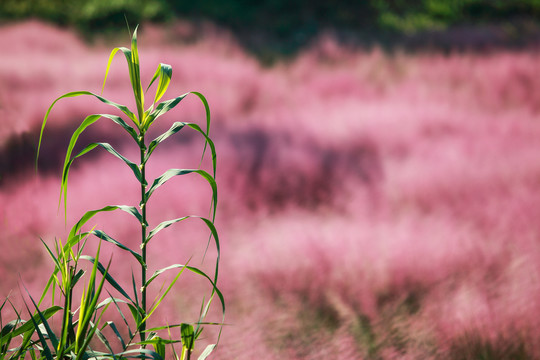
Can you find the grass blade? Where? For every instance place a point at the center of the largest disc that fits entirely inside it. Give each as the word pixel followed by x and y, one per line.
pixel 162 108
pixel 120 107
pixel 176 127
pixel 108 276
pixel 163 225
pixel 89 214
pixel 177 172
pixel 103 236
pixel 164 73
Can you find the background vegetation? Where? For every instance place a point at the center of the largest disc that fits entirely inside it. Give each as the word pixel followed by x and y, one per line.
pixel 379 205
pixel 283 26
pixel 373 206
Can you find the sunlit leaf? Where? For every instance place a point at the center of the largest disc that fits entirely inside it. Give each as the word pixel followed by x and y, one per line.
pixel 89 214
pixel 207 351
pixel 162 108
pixel 164 73
pixel 120 107
pixel 177 172
pixel 90 147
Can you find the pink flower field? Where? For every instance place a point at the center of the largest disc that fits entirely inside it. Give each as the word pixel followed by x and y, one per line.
pixel 371 206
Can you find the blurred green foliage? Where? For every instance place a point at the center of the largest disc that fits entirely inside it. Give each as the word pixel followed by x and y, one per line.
pixel 413 16
pixel 282 23
pixel 85 15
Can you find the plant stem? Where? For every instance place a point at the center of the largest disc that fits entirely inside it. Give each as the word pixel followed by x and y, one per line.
pixel 142 148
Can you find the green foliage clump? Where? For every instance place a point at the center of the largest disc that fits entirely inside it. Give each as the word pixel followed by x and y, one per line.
pixel 409 17
pixel 85 15
pixel 85 322
pixel 291 21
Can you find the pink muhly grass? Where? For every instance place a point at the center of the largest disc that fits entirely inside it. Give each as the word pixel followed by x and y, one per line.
pixel 371 204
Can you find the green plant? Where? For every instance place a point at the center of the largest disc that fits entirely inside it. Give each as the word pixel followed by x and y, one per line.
pixel 82 322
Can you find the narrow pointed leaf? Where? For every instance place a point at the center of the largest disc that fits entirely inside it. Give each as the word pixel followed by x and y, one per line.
pixel 207 111
pixel 207 351
pixel 162 226
pixel 177 172
pixel 46 351
pixel 140 354
pixel 111 150
pixel 120 107
pixel 163 108
pixel 103 236
pixel 108 276
pixel 89 214
pixel 105 342
pixel 176 127
pixel 164 73
pixel 158 302
pixel 43 322
pixel 135 76
pixel 134 289
pixel 136 313
pixel 209 142
pixel 89 120
pixel 194 270
pixel 117 333
pixel 188 336
pixel 30 326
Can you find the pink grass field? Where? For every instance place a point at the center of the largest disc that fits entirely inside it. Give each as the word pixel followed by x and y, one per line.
pixel 370 206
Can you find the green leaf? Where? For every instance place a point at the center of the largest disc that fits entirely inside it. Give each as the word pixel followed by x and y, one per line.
pixel 43 320
pixel 68 161
pixel 103 236
pixel 207 110
pixel 208 223
pixel 30 326
pixel 8 328
pixel 164 73
pixel 161 226
pixel 54 259
pixel 187 335
pixel 77 277
pixel 89 214
pixel 209 142
pixel 134 288
pixel 137 313
pixel 111 150
pixel 120 107
pixel 207 352
pixel 132 59
pixel 159 344
pixel 88 308
pixel 158 301
pixel 105 342
pixel 214 233
pixel 176 127
pixel 140 354
pixel 167 175
pixel 46 351
pixel 117 333
pixel 135 76
pixel 108 276
pixel 192 269
pixel 163 108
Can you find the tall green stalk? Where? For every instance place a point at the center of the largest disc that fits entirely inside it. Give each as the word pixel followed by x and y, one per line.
pixel 75 341
pixel 143 203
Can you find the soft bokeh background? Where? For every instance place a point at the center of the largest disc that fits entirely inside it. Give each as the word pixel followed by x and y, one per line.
pixel 378 166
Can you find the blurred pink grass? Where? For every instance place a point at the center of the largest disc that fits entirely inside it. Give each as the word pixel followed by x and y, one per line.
pixel 367 202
